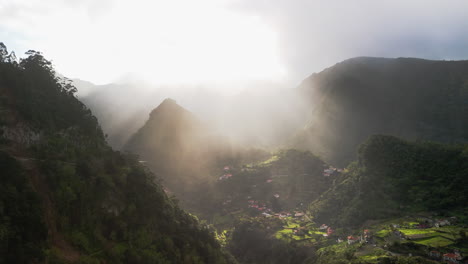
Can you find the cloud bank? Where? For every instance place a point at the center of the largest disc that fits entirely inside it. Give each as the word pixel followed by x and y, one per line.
pixel 226 40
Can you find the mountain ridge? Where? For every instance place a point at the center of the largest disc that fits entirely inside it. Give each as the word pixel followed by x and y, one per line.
pixel 409 98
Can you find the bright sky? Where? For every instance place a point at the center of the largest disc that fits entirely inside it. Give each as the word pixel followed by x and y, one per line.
pixel 177 41
pixel 187 41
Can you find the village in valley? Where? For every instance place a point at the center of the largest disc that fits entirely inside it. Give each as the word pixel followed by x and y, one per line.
pixel 274 194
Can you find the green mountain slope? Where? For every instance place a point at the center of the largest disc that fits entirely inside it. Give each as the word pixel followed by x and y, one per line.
pixel 177 145
pixel 393 177
pixel 404 97
pixel 66 196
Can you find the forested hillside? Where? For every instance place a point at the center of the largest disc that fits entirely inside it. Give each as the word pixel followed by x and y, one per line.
pixel 405 97
pixel 394 177
pixel 66 196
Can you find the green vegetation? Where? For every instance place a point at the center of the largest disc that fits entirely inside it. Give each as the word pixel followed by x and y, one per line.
pixel 417 232
pixel 67 197
pixel 394 176
pixel 297 177
pixel 87 203
pixel 410 98
pixel 22 230
pixel 435 242
pixel 253 241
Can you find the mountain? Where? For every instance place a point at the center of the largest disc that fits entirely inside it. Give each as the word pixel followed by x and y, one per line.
pixel 260 114
pixel 176 144
pixel 405 97
pixel 66 196
pixel 394 177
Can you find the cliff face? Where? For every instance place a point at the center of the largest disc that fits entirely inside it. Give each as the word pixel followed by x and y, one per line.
pixel 21 134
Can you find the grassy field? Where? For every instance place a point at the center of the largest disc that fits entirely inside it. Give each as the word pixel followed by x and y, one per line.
pixel 383 233
pixel 435 241
pixel 434 237
pixel 418 232
pixel 288 235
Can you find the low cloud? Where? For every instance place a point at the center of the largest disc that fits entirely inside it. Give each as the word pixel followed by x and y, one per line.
pixel 316 34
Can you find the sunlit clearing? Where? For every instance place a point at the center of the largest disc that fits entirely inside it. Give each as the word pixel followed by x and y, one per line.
pixel 159 41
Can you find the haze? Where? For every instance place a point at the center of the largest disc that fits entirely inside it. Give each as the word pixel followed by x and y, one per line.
pixel 234 131
pixel 212 56
pixel 229 40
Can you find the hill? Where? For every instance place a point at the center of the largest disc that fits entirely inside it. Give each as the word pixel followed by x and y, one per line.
pixel 394 177
pixel 408 98
pixel 66 196
pixel 176 144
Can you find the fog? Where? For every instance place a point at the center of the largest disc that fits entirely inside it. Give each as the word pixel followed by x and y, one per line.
pixel 233 63
pixel 260 114
pixel 313 35
pixel 174 42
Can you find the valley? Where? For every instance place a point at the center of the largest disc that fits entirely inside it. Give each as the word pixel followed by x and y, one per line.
pixel 354 178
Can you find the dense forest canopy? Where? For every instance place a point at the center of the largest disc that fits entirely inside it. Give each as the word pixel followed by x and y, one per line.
pixel 394 177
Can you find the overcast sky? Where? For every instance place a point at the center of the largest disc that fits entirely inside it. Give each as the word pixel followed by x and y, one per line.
pixel 186 41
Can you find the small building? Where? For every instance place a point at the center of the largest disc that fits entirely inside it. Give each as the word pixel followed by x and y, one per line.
pixel 225 176
pixel 366 236
pixel 451 257
pixel 299 214
pixel 352 240
pixel 266 214
pixel 323 227
pixel 443 222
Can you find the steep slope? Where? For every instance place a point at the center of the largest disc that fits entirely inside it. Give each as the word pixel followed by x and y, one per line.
pixel 177 145
pixel 394 177
pixel 67 197
pixel 404 97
